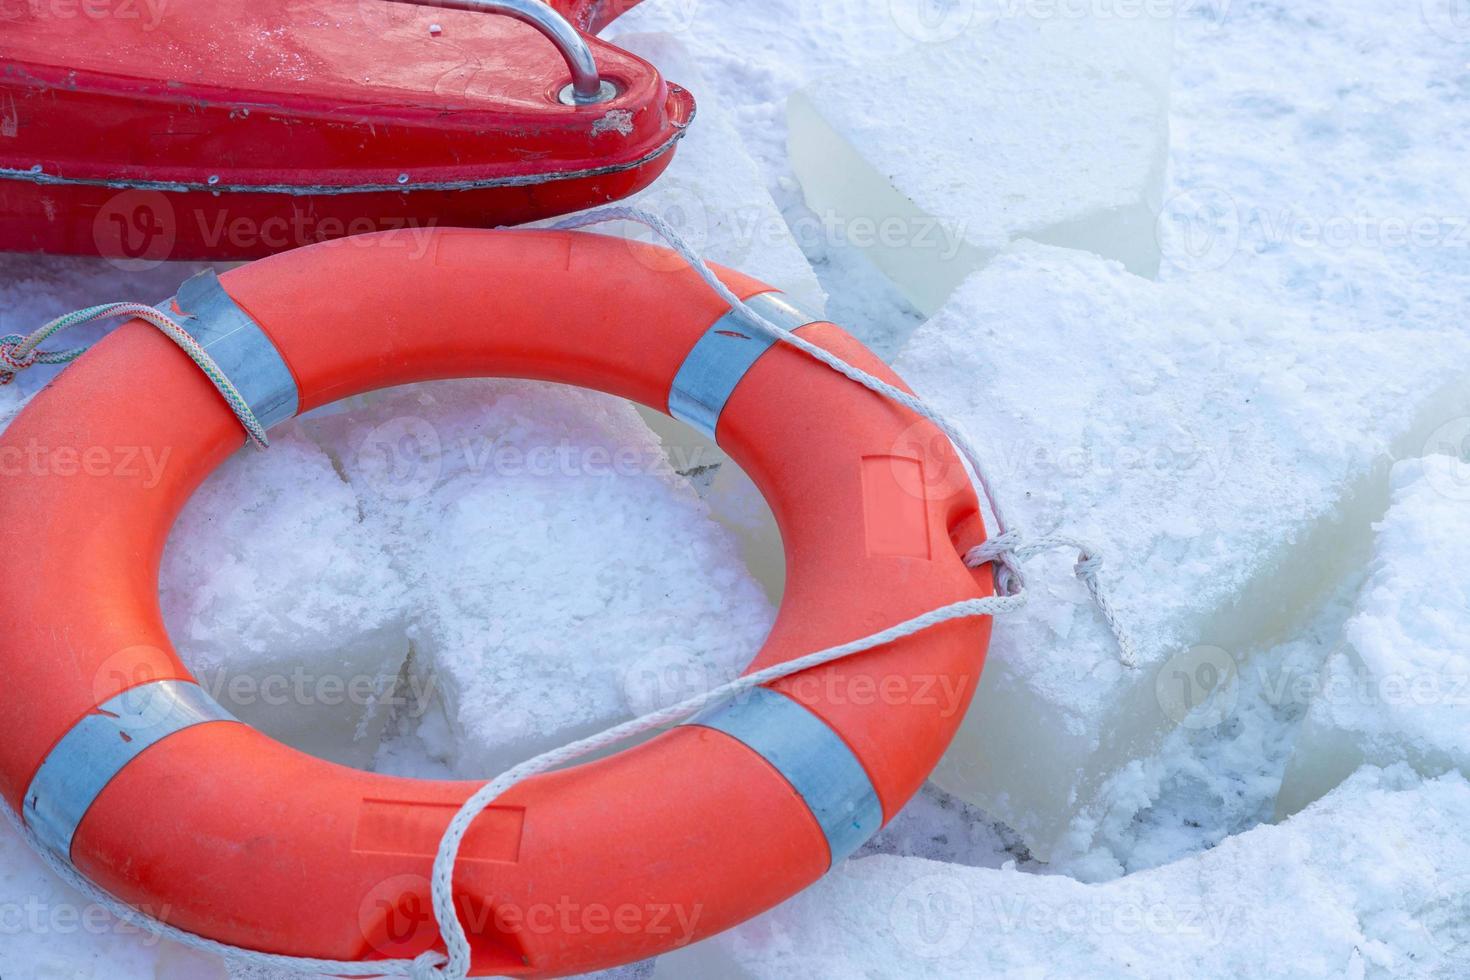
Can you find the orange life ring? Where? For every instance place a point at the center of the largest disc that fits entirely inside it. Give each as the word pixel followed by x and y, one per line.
pixel 121 763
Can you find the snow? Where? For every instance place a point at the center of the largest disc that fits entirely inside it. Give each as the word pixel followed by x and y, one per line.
pixel 1334 186
pixel 1055 129
pixel 1399 688
pixel 1221 450
pixel 1380 867
pixel 751 66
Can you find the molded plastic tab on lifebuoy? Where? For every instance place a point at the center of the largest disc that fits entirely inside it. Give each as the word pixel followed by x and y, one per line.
pixel 811 756
pixel 101 745
pixel 239 346
pixel 722 357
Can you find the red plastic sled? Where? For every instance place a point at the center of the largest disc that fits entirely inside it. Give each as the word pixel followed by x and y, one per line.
pixel 182 129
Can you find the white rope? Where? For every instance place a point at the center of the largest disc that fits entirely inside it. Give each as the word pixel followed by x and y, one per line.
pixel 436 966
pixel 1006 550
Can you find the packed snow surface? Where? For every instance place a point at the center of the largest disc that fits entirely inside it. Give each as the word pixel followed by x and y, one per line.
pixel 1370 882
pixel 475 558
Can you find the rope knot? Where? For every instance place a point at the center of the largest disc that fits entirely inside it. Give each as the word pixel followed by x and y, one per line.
pixel 429 966
pixel 14 362
pixel 1004 551
pixel 1009 550
pixel 18 353
pixel 1088 565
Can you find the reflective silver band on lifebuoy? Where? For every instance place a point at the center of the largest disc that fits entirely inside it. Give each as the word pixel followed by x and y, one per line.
pixel 811 756
pixel 239 346
pixel 101 745
pixel 723 355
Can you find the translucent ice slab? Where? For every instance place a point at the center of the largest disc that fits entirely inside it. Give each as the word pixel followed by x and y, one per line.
pixel 1227 457
pixel 1052 129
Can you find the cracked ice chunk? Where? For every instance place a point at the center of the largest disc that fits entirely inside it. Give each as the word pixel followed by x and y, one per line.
pixel 564 577
pixel 283 604
pixel 1399 689
pixel 1021 127
pixel 1373 881
pixel 1227 458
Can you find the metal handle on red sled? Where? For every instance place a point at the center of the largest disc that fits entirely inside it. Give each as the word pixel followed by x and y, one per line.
pixel 587 86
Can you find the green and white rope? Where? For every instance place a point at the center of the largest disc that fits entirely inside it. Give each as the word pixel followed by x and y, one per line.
pixel 19 352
